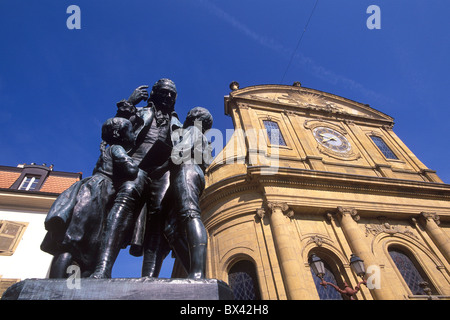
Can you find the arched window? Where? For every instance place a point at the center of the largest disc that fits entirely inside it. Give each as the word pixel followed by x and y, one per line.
pixel 274 133
pixel 328 293
pixel 410 270
pixel 243 281
pixel 387 152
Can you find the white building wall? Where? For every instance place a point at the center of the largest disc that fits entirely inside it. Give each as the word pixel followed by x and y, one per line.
pixel 28 261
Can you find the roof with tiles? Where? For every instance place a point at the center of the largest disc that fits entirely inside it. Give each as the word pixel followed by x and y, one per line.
pixel 36 178
pixel 7 178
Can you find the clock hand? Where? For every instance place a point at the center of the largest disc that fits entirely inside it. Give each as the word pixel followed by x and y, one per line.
pixel 329 138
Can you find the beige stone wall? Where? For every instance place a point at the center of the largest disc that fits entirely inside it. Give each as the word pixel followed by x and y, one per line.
pixel 245 233
pixel 319 201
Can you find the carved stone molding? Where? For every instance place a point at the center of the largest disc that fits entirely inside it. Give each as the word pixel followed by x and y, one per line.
pixel 342 156
pixel 349 122
pixel 329 216
pixel 289 213
pixel 375 133
pixel 385 227
pixel 311 101
pixel 318 240
pixel 311 124
pixel 261 212
pixel 283 206
pixel 431 216
pixel 348 211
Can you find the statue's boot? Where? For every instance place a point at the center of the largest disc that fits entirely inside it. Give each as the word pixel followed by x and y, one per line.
pixel 180 248
pixel 156 248
pixel 197 240
pixel 155 252
pixel 113 239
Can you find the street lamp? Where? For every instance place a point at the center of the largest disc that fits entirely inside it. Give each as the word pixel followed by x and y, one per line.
pixel 357 266
pixel 317 265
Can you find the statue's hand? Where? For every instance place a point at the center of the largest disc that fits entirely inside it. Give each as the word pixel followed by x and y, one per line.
pixel 139 94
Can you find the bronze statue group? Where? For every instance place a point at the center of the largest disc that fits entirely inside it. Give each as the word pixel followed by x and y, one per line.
pixel 144 192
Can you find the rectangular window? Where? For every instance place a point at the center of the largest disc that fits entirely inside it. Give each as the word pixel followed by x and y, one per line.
pixel 29 183
pixel 274 133
pixel 383 147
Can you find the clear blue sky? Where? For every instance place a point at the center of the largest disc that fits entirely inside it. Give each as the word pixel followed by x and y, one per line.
pixel 57 86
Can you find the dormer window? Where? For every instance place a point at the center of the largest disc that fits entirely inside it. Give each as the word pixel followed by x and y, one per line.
pixel 32 177
pixel 30 182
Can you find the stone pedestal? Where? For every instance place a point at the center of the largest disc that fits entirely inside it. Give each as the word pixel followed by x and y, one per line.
pixel 119 289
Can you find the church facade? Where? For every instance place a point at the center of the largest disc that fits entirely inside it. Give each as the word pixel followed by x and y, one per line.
pixel 309 173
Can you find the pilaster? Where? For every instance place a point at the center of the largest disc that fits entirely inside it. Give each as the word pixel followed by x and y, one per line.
pixel 288 260
pixel 431 221
pixel 349 218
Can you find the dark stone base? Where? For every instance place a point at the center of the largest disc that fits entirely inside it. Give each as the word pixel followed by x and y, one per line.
pixel 119 289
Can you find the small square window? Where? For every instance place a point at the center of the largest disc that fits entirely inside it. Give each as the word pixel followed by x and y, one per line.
pixel 274 133
pixel 29 183
pixel 383 147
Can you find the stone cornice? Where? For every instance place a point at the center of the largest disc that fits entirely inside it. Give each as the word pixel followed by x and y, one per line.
pixel 321 180
pixel 25 200
pixel 344 182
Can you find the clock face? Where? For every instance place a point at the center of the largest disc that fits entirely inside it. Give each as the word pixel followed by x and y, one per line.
pixel 332 139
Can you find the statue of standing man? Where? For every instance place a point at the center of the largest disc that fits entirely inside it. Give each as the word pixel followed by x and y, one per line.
pixel 153 126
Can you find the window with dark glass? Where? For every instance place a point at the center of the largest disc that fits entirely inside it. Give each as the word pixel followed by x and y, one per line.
pixel 410 271
pixel 327 293
pixel 243 281
pixel 30 182
pixel 274 133
pixel 379 142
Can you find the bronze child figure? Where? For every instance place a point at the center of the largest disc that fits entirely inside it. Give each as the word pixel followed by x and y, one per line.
pixel 191 155
pixel 76 219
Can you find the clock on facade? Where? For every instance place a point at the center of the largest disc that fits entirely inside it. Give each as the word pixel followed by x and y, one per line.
pixel 332 139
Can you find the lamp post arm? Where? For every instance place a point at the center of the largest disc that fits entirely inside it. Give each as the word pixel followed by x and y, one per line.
pixel 325 283
pixel 358 287
pixel 347 290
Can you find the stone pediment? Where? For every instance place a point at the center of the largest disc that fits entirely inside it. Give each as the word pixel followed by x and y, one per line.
pixel 308 99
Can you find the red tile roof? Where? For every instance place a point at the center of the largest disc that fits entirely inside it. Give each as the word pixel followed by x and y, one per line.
pixel 8 178
pixel 56 181
pixel 57 184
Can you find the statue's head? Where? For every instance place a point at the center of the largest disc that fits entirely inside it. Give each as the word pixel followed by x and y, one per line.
pixel 164 95
pixel 199 114
pixel 118 131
